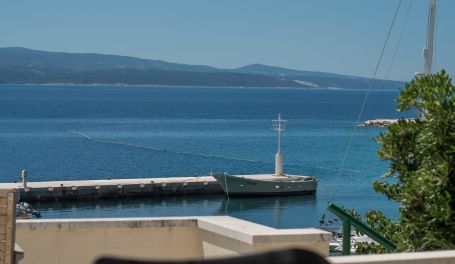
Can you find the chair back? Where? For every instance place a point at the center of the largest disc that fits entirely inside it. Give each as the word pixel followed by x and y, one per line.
pixel 287 256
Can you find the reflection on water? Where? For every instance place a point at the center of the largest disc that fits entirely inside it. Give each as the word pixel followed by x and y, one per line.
pixel 279 211
pixel 247 203
pixel 271 209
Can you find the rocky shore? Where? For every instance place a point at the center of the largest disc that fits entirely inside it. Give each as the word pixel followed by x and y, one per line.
pixel 382 122
pixel 379 122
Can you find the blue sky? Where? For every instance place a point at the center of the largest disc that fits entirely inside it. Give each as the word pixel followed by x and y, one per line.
pixel 320 35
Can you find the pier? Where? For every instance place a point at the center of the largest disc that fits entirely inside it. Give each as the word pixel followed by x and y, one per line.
pixel 113 188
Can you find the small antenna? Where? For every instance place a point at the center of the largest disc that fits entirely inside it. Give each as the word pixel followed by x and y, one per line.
pixel 278 125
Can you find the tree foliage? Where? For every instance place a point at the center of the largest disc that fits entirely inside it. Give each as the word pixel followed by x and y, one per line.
pixel 421 176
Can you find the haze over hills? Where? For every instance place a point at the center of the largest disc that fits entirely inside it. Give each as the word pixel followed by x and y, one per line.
pixel 26 66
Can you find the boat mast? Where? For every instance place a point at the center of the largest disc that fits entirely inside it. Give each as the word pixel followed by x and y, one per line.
pixel 428 50
pixel 278 125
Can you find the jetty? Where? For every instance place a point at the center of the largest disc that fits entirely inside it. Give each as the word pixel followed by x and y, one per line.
pixel 112 188
pixel 383 122
pixel 379 122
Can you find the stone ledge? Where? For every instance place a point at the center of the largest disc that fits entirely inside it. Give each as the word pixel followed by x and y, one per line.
pixel 252 233
pixel 429 257
pixel 231 227
pixel 97 223
pixel 227 226
pixel 305 235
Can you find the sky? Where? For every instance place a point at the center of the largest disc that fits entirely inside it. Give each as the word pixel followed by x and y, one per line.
pixel 338 36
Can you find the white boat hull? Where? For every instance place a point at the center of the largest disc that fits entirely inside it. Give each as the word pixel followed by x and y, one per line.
pixel 266 184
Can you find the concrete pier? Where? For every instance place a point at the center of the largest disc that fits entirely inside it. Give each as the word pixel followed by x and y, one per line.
pixel 114 188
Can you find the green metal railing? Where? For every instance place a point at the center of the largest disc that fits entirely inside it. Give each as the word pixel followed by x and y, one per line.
pixel 348 221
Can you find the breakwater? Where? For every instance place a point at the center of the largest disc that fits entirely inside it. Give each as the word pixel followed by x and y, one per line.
pixel 113 188
pixel 379 122
pixel 384 122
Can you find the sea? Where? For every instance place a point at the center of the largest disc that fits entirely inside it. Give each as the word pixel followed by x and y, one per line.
pixel 192 131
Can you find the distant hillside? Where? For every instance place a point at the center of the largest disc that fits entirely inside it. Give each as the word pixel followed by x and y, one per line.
pixel 21 57
pixel 271 70
pixel 26 66
pixel 320 79
pixel 34 75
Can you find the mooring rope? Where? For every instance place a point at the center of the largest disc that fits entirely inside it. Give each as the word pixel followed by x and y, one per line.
pixel 210 155
pixel 79 133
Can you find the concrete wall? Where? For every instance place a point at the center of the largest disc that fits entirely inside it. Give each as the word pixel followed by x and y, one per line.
pixel 7 226
pixel 83 240
pixel 430 257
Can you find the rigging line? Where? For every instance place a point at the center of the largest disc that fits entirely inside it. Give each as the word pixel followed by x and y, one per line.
pixel 129 145
pixel 395 52
pixel 399 40
pixel 209 155
pixel 176 152
pixel 354 130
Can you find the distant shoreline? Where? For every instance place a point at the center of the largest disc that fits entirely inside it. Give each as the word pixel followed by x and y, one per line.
pixel 193 86
pixel 34 67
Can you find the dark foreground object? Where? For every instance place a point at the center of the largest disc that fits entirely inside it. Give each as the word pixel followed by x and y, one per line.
pixel 287 256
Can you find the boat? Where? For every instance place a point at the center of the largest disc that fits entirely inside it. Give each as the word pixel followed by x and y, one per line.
pixel 266 184
pixel 336 244
pixel 25 211
pixel 278 183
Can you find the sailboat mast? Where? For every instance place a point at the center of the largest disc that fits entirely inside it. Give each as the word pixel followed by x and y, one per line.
pixel 428 50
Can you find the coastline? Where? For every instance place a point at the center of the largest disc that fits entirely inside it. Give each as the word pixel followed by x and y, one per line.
pixel 121 85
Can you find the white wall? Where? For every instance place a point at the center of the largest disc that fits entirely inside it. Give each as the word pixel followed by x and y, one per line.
pixel 72 241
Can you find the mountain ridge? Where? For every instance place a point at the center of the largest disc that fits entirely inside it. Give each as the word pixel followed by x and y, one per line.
pixel 27 66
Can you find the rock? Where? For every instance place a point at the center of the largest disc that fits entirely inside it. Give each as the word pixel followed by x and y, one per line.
pixel 382 122
pixel 379 122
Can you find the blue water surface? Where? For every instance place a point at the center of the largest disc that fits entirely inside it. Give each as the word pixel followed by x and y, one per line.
pixel 45 129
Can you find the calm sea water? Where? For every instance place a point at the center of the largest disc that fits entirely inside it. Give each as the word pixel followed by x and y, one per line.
pixel 35 134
